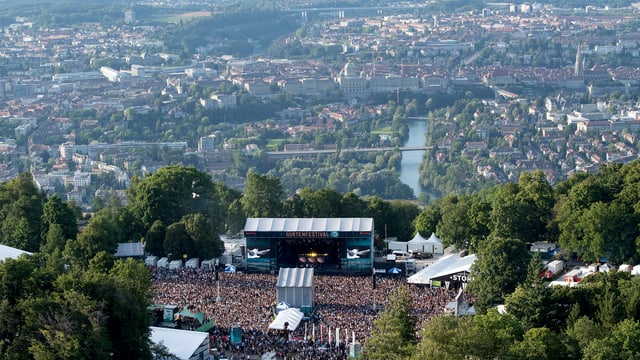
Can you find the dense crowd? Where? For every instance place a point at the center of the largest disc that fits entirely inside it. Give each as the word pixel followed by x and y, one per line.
pixel 248 301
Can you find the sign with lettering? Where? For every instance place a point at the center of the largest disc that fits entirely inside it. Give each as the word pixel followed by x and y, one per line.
pixel 461 277
pixel 309 234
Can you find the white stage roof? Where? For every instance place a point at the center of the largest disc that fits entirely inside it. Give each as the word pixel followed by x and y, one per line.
pixel 448 264
pixel 293 316
pixel 312 224
pixel 7 252
pixel 181 343
pixel 295 277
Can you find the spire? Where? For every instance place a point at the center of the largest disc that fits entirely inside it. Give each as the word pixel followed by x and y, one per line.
pixel 579 66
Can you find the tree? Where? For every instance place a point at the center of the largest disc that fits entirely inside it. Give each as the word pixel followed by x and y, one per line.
pixel 128 325
pixel 177 242
pixel 206 241
pixel 173 192
pixel 428 219
pixel 394 334
pixel 21 211
pixel 262 196
pixel 70 327
pixel 581 333
pixel 323 203
pixel 442 338
pixel 352 205
pixel 623 342
pixel 56 212
pixel 531 302
pixel 508 214
pixel 54 240
pixel 154 239
pixel 380 211
pixel 236 218
pixel 539 343
pixel 453 227
pixel 401 223
pixel 500 266
pixel 97 236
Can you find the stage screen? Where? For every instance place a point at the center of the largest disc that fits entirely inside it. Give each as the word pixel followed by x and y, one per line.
pixel 326 252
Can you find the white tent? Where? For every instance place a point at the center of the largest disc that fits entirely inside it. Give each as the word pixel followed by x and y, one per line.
pixel 291 316
pixel 208 264
pixel 182 343
pixel 7 252
pixel 282 306
pixel 151 260
pixel 418 243
pixel 175 265
pixel 163 262
pixel 193 263
pixel 397 245
pixel 452 264
pixel 625 268
pixel 295 287
pixel 433 245
pixel 126 250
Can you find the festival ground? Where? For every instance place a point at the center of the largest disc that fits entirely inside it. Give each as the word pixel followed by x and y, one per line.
pixel 248 301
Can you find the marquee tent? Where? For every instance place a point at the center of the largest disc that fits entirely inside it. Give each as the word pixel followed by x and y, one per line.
pixel 433 245
pixel 151 260
pixel 451 268
pixel 127 250
pixel 7 252
pixel 163 262
pixel 291 317
pixel 417 243
pixel 295 287
pixel 182 343
pixel 192 263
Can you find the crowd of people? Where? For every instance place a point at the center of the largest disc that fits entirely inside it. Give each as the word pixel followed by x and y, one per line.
pixel 348 303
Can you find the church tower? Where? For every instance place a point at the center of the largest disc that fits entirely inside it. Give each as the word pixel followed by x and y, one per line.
pixel 578 69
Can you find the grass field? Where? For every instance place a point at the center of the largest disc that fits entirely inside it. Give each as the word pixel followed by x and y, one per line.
pixel 383 130
pixel 272 144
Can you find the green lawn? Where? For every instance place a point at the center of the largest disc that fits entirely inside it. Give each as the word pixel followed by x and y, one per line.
pixel 387 130
pixel 274 144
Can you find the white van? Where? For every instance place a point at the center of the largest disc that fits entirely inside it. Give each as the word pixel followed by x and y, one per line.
pixel 400 254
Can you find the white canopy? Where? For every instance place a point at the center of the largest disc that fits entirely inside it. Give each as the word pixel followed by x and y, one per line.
pixel 181 343
pixel 163 262
pixel 292 316
pixel 417 243
pixel 434 245
pixel 7 252
pixel 449 264
pixel 312 224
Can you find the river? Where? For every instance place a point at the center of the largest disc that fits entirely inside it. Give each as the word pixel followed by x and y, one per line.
pixel 411 160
